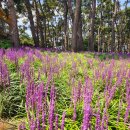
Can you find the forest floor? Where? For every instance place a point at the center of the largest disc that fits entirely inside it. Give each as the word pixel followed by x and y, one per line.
pixel 7 125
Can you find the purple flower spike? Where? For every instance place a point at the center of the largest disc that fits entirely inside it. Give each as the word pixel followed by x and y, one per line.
pixel 98 118
pixel 56 122
pixel 127 100
pixel 51 107
pixel 63 121
pixel 43 120
pixel 22 126
pixel 88 93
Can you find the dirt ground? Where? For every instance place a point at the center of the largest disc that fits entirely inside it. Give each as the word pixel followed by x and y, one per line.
pixel 7 126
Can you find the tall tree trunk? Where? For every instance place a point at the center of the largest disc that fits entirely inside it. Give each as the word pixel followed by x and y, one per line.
pixel 99 41
pixel 77 40
pixel 113 35
pixel 113 27
pixel 32 27
pixel 100 28
pixel 92 37
pixel 39 25
pixel 119 29
pixel 75 25
pixel 79 35
pixel 45 29
pixel 65 25
pixel 70 10
pixel 13 26
pixel 43 35
pixel 77 44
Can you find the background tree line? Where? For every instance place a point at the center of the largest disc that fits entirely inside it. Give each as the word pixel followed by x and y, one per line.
pixel 77 25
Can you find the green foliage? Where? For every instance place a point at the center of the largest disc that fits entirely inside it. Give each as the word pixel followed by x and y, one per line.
pixel 102 57
pixel 12 99
pixel 5 44
pixel 85 43
pixel 25 39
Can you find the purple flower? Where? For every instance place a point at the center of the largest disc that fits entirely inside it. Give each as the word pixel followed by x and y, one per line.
pixel 104 123
pixel 74 98
pixel 51 107
pixel 56 122
pixel 43 120
pixel 98 118
pixel 32 124
pixel 22 126
pixel 127 100
pixel 63 121
pixel 4 75
pixel 88 93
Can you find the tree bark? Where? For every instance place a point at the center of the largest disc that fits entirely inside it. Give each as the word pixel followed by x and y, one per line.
pixel 65 25
pixel 100 28
pixel 70 10
pixel 45 30
pixel 32 27
pixel 113 35
pixel 77 41
pixel 13 26
pixel 113 27
pixel 75 25
pixel 92 37
pixel 99 43
pixel 37 22
pixel 43 39
pixel 79 34
pixel 39 25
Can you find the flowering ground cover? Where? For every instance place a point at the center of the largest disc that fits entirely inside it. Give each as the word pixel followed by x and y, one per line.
pixel 65 91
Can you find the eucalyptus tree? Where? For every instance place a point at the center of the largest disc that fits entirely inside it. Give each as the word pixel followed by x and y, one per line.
pixel 39 23
pixel 92 24
pixel 114 14
pixel 32 26
pixel 77 39
pixel 65 24
pixel 13 25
